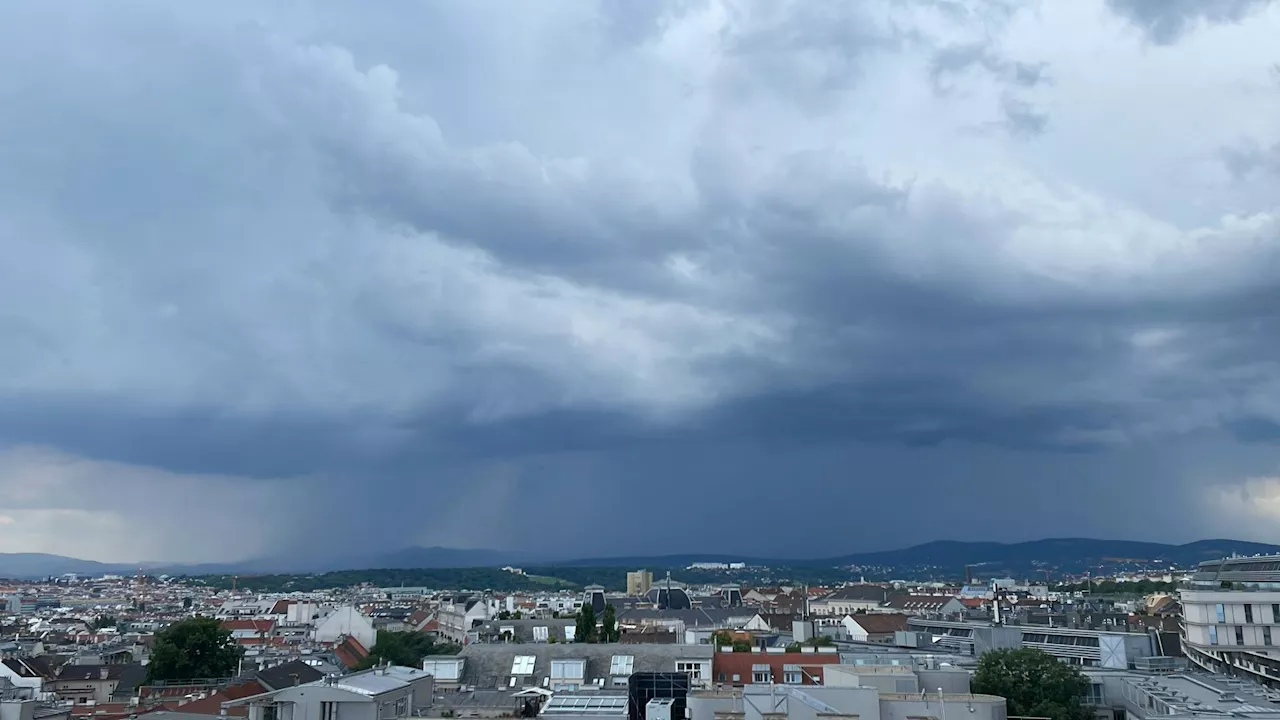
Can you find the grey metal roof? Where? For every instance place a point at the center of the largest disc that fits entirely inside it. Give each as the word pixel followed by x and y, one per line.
pixel 489 666
pixel 371 683
pixel 608 705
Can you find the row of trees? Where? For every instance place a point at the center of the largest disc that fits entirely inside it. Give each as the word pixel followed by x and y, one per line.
pixel 1034 684
pixel 199 647
pixel 1111 587
pixel 404 648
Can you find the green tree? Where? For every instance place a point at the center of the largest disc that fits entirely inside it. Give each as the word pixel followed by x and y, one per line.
pixel 404 648
pixel 1034 682
pixel 609 625
pixel 186 603
pixel 585 632
pixel 198 647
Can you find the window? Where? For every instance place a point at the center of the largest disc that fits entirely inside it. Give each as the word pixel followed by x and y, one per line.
pixel 522 665
pixel 569 632
pixel 761 673
pixel 271 712
pixel 1213 634
pixel 722 677
pixel 621 664
pixel 693 668
pixel 1239 635
pixel 737 677
pixel 791 678
pixel 1266 634
pixel 328 711
pixel 540 633
pixel 1275 612
pixel 402 707
pixel 567 670
pixel 1248 613
pixel 1222 613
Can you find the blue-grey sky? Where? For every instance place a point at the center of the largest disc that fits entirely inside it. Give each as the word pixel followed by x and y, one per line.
pixel 787 277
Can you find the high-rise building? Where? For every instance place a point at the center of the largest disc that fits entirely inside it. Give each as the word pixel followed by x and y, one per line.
pixel 1231 618
pixel 639 582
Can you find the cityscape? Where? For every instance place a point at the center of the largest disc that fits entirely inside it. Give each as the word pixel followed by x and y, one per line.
pixel 1188 641
pixel 640 359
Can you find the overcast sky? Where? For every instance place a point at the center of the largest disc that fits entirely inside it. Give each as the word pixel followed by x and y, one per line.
pixel 593 277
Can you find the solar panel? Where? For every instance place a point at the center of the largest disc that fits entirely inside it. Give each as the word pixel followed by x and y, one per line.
pixel 586 705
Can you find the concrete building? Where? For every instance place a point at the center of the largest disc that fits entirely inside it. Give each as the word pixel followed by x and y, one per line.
pixel 849 600
pixel 873 627
pixel 1184 695
pixel 639 582
pixel 1231 618
pixel 384 693
pixel 789 702
pixel 98 683
pixel 1089 648
pixel 459 617
pixel 512 667
pixel 27 672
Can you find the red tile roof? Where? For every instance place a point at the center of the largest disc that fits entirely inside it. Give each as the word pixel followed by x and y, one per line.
pixel 212 705
pixel 350 652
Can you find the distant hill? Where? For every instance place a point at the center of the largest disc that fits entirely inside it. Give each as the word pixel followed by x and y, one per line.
pixel 1064 555
pixel 1068 555
pixel 33 565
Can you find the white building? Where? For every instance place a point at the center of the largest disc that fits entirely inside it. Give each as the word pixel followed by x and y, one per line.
pixel 346 621
pixel 378 694
pixel 457 618
pixel 1231 618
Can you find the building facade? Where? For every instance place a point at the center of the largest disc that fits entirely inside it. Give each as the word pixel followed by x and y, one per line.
pixel 1231 618
pixel 639 582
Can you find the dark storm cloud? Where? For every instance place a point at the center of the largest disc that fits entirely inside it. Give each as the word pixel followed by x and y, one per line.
pixel 1164 21
pixel 699 250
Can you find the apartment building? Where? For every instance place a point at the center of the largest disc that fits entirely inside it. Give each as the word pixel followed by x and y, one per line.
pixel 1231 618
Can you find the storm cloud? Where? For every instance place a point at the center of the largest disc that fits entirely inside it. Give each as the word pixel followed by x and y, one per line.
pixel 309 276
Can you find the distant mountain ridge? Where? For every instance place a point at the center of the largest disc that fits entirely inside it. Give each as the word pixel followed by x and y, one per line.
pixel 1061 554
pixel 1051 552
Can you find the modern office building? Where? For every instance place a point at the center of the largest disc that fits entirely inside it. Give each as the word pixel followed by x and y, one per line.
pixel 1088 648
pixel 1231 618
